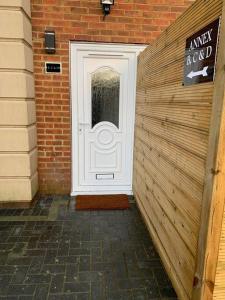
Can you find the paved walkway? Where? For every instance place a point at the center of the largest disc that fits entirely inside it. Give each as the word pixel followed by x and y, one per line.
pixel 53 252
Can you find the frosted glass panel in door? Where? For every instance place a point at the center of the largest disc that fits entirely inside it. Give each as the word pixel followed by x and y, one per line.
pixel 105 91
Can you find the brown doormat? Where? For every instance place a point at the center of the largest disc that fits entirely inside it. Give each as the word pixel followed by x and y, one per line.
pixel 102 202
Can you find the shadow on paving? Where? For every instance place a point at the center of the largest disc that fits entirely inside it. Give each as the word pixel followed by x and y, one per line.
pixel 53 252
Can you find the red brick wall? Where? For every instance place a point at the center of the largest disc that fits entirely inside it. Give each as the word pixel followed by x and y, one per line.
pixel 130 21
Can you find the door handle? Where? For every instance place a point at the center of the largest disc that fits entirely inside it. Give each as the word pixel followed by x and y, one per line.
pixel 84 123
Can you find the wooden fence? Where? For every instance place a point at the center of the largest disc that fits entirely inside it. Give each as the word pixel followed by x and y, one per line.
pixel 179 156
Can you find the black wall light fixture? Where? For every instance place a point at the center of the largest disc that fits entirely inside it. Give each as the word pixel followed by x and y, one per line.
pixel 50 41
pixel 106 5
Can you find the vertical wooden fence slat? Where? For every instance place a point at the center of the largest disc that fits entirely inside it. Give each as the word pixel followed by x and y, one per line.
pixel 214 190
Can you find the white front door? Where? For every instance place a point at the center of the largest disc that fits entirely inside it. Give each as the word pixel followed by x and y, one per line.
pixel 103 106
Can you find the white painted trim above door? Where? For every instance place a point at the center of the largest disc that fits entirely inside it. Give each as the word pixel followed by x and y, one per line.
pixel 93 49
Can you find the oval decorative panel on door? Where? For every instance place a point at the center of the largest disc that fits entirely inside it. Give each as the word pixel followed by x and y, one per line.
pixel 105 137
pixel 105 147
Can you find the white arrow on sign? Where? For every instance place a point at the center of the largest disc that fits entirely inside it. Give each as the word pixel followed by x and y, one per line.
pixel 203 72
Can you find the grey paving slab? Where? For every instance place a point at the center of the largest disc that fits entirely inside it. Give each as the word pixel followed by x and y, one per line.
pixel 51 251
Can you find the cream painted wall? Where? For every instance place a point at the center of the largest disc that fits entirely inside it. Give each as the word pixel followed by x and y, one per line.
pixel 18 142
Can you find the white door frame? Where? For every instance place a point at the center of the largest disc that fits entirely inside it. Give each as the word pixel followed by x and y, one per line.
pixel 103 47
